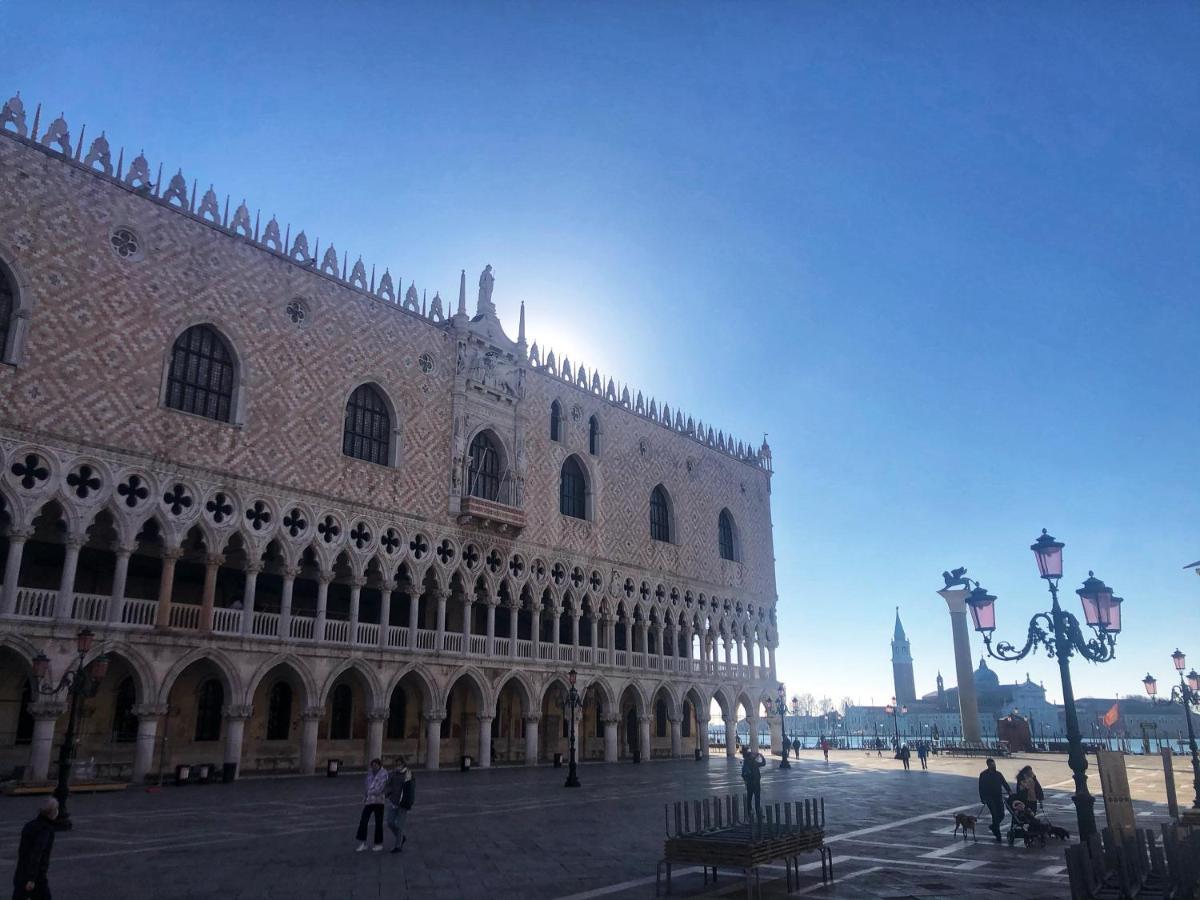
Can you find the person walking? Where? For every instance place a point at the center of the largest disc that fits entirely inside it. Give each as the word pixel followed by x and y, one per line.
pixel 905 755
pixel 33 855
pixel 796 747
pixel 1029 789
pixel 752 764
pixel 401 791
pixel 923 754
pixel 992 788
pixel 373 801
pixel 825 748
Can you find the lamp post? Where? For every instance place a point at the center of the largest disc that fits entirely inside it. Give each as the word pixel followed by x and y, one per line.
pixel 1187 694
pixel 780 704
pixel 572 703
pixel 78 683
pixel 892 710
pixel 1058 632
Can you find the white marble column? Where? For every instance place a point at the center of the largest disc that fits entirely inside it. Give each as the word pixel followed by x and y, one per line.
pixel 512 632
pixel 45 716
pixel 752 726
pixel 575 628
pixel 310 723
pixel 385 614
pixel 356 586
pixel 235 730
pixel 12 568
pixel 323 580
pixel 433 741
pixel 731 738
pixel 375 720
pixel 489 648
pixel 610 739
pixel 468 613
pixel 702 736
pixel 212 562
pixel 147 736
pixel 644 736
pixel 64 605
pixel 968 704
pixel 531 740
pixel 116 602
pixel 676 738
pixel 166 587
pixel 253 567
pixel 285 602
pixel 485 743
pixel 536 631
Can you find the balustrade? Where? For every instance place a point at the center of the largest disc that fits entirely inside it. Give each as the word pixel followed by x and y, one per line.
pixel 265 624
pixel 91 607
pixel 478 644
pixel 31 602
pixel 501 647
pixel 337 631
pixel 139 612
pixel 397 636
pixel 302 627
pixel 226 620
pixel 525 649
pixel 585 655
pixel 368 634
pixel 187 616
pixel 452 642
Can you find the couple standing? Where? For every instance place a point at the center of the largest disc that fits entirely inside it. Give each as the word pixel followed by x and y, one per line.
pixel 397 791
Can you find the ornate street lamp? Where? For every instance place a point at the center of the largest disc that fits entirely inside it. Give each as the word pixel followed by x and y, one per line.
pixel 781 711
pixel 1187 694
pixel 571 703
pixel 1059 634
pixel 895 712
pixel 78 683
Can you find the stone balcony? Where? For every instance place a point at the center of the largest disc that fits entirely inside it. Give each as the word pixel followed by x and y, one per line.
pixel 140 615
pixel 489 514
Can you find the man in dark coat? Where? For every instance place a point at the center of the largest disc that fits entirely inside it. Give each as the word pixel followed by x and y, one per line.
pixel 751 764
pixel 33 855
pixel 992 788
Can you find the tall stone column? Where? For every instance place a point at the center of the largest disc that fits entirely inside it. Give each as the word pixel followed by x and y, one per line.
pixel 489 648
pixel 676 737
pixel 147 735
pixel 610 739
pixel 536 631
pixel 968 705
pixel 285 601
pixel 235 730
pixel 212 563
pixel 731 738
pixel 253 567
pixel 116 602
pixel 12 568
pixel 166 587
pixel 468 614
pixel 64 606
pixel 575 627
pixel 752 727
pixel 356 586
pixel 775 726
pixel 440 621
pixel 45 715
pixel 702 735
pixel 433 741
pixel 512 631
pixel 385 615
pixel 644 736
pixel 323 581
pixel 375 720
pixel 531 740
pixel 310 724
pixel 485 742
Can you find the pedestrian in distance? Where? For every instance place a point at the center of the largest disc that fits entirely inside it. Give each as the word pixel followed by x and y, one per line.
pixel 1029 789
pixel 752 764
pixel 401 791
pixel 825 748
pixel 373 802
pixel 923 754
pixel 904 754
pixel 33 855
pixel 796 747
pixel 992 788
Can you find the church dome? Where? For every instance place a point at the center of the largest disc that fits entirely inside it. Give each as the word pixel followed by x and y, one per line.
pixel 985 677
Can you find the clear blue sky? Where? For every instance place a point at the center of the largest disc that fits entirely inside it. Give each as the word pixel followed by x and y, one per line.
pixel 946 254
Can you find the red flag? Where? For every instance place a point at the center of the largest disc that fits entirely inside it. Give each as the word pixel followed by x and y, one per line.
pixel 1110 717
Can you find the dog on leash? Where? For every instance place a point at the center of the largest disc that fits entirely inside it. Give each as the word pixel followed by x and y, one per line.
pixel 966 823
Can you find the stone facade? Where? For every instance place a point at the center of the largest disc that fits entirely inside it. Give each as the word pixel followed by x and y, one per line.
pixel 219 560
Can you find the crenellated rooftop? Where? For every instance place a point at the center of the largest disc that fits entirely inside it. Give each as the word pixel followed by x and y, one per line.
pixel 181 197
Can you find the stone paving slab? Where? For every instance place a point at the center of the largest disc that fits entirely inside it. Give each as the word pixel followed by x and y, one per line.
pixel 518 833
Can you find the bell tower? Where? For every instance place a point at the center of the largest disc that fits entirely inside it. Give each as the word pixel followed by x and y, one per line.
pixel 902 665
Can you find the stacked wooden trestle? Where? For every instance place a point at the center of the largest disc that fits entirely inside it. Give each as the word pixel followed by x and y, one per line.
pixel 719 833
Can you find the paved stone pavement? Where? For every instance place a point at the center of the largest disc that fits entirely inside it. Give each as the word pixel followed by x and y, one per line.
pixel 518 833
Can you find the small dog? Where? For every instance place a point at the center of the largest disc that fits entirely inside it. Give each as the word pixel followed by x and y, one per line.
pixel 1061 833
pixel 966 823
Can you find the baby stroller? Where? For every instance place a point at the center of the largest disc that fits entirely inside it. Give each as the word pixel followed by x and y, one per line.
pixel 1026 826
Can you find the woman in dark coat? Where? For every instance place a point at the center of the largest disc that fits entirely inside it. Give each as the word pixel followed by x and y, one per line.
pixel 33 856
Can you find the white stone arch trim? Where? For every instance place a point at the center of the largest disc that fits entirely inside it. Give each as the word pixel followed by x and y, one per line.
pixel 506 461
pixel 395 416
pixel 674 703
pixel 590 484
pixel 220 661
pixel 725 700
pixel 374 689
pixel 143 672
pixel 604 688
pixel 269 529
pixel 482 684
pixel 20 645
pixel 701 701
pixel 76 525
pixel 524 686
pixel 289 661
pixel 95 497
pixel 39 490
pixel 426 680
pixel 13 350
pixel 641 701
pixel 229 332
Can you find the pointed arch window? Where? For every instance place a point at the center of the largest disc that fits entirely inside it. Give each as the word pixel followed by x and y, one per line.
pixel 660 515
pixel 725 536
pixel 556 423
pixel 8 308
pixel 397 713
pixel 201 378
pixel 572 492
pixel 125 723
pixel 594 436
pixel 208 710
pixel 367 431
pixel 341 718
pixel 279 711
pixel 483 476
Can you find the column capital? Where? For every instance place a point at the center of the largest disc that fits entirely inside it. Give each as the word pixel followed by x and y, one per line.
pixel 703 721
pixel 643 720
pixel 432 717
pixel 610 720
pixel 358 581
pixel 291 572
pixel 237 711
pixel 441 595
pixel 171 553
pixel 253 566
pixel 485 718
pixel 120 548
pixel 674 720
pixel 378 714
pixel 326 577
pixel 531 720
pixel 74 541
pixel 313 714
pixel 20 534
pixel 150 710
pixel 47 709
